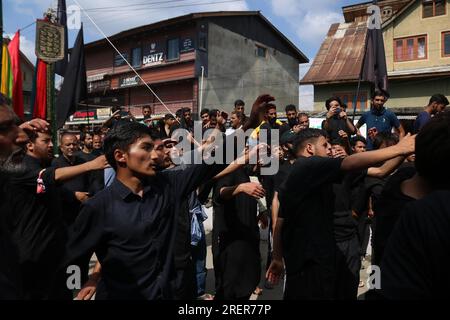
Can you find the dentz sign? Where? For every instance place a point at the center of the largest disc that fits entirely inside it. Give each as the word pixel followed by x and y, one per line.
pixel 154 58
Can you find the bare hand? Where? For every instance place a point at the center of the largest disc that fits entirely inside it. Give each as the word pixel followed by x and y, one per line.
pixel 275 271
pixel 88 290
pixel 35 125
pixel 82 196
pixel 99 163
pixel 258 111
pixel 253 189
pixel 407 145
pixel 372 133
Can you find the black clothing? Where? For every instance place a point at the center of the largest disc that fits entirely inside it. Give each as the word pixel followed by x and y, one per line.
pixel 307 206
pixel 348 266
pixel 10 278
pixel 239 260
pixel 79 183
pixel 335 124
pixel 132 236
pixel 37 227
pixel 388 209
pixel 418 251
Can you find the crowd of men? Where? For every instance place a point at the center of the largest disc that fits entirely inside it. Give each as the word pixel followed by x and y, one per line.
pixel 119 194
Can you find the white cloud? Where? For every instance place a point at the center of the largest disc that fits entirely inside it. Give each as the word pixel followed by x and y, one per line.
pixel 26 46
pixel 124 15
pixel 310 19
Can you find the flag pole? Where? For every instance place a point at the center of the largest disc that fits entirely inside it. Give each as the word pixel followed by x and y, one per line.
pixel 1 38
pixel 357 96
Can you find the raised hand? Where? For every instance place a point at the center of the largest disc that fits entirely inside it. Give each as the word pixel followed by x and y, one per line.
pixel 35 125
pixel 258 111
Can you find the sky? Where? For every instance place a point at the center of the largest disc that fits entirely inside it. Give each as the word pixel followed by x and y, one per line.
pixel 304 22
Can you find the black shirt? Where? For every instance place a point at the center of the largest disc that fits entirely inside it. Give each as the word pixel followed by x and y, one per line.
pixel 77 184
pixel 10 279
pixel 133 237
pixel 418 251
pixel 346 194
pixel 37 227
pixel 388 209
pixel 307 206
pixel 86 157
pixel 334 126
pixel 240 213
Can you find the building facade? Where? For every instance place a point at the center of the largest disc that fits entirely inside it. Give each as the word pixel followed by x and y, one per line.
pixel 417 45
pixel 205 60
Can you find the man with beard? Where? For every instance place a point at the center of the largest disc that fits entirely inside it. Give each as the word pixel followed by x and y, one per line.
pixel 30 228
pixel 305 235
pixel 87 142
pixel 136 249
pixel 292 120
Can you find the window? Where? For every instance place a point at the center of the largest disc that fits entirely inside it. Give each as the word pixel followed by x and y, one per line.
pixel 261 52
pixel 446 44
pixel 349 98
pixel 433 8
pixel 136 57
pixel 202 43
pixel 408 49
pixel 118 61
pixel 173 49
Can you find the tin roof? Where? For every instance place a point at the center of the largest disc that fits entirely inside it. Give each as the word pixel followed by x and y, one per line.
pixel 341 55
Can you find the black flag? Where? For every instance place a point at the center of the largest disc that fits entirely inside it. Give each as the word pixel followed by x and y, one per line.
pixel 61 66
pixel 374 68
pixel 74 88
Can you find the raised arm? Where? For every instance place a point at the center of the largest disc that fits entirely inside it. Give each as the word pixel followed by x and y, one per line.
pixel 368 159
pixel 67 173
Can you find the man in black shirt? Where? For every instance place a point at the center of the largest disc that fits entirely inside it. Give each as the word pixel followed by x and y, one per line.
pixel 87 143
pixel 414 264
pixel 131 224
pixel 337 119
pixel 307 203
pixel 238 262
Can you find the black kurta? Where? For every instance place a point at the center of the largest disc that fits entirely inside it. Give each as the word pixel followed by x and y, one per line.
pixel 307 206
pixel 239 260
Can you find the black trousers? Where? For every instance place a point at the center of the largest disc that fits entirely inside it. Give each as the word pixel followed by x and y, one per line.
pixel 184 285
pixel 348 266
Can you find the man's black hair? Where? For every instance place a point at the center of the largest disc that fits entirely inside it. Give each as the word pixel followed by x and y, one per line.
pixel 306 136
pixel 439 99
pixel 213 112
pixel 303 114
pixel 204 111
pixel 388 138
pixel 330 100
pixel 179 113
pixel 433 151
pixel 33 135
pixel 116 108
pixel 239 103
pixel 169 116
pixel 122 137
pixel 354 140
pixel 290 107
pixel 339 142
pixel 84 134
pixel 380 93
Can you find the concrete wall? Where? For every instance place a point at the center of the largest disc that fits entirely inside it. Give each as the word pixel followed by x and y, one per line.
pixel 411 23
pixel 235 72
pixel 404 93
pixel 322 93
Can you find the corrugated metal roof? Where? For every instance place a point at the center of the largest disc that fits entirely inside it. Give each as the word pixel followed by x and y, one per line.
pixel 341 55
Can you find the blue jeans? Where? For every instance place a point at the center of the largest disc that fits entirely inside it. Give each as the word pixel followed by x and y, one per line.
pixel 199 259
